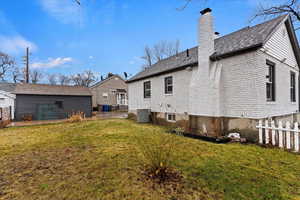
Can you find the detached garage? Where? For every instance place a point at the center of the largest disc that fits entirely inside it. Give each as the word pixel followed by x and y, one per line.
pixel 49 102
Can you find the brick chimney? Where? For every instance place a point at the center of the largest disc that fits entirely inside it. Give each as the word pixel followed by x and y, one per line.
pixel 206 38
pixel 204 87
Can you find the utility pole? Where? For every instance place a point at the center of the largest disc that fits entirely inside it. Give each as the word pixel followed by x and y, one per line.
pixel 26 62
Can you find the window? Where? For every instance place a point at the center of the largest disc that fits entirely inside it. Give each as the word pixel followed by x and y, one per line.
pixel 147 89
pixel 169 85
pixel 270 84
pixel 293 87
pixel 59 104
pixel 170 117
pixel 105 95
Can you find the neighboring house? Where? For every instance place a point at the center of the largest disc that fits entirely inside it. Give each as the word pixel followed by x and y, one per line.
pixel 110 91
pixel 47 102
pixel 225 82
pixel 7 101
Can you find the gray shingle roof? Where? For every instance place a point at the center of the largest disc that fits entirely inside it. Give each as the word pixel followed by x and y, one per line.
pixel 42 89
pixel 7 87
pixel 228 45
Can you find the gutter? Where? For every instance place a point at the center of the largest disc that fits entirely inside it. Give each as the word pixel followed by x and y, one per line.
pixel 164 72
pixel 215 57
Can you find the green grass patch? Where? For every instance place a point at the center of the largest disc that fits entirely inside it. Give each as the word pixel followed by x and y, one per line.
pixel 103 160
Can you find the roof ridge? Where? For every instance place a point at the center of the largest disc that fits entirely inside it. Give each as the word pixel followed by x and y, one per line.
pixel 106 79
pixel 49 85
pixel 175 55
pixel 249 27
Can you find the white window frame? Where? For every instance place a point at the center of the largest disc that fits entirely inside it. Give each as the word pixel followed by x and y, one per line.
pixel 293 93
pixel 168 85
pixel 147 89
pixel 172 117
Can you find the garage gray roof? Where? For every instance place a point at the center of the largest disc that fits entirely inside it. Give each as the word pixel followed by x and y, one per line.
pixel 237 42
pixel 43 89
pixel 7 87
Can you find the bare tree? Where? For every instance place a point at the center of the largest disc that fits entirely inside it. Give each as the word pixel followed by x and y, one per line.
pixel 86 78
pixel 52 79
pixel 36 76
pixel 148 56
pixel 6 64
pixel 63 79
pixel 17 75
pixel 161 50
pixel 291 7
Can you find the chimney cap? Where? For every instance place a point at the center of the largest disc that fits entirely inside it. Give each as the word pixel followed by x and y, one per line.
pixel 206 10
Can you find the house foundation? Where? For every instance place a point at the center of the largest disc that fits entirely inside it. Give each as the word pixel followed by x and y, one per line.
pixel 216 126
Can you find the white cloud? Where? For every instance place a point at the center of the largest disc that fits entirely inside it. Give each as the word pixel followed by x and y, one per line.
pixel 52 63
pixel 65 11
pixel 15 44
pixel 91 57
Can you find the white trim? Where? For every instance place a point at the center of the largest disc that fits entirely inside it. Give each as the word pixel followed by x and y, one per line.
pixel 167 117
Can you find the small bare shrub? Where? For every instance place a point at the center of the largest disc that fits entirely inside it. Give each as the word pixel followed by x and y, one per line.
pixel 76 117
pixel 158 152
pixel 27 117
pixel 4 123
pixel 131 116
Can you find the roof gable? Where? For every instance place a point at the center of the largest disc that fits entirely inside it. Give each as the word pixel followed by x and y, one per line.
pixel 7 87
pixel 7 94
pixel 279 45
pixel 106 80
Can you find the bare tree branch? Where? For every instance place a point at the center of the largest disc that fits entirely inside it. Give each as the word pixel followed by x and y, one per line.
pixel 17 75
pixel 86 78
pixel 6 64
pixel 291 7
pixel 187 2
pixel 63 79
pixel 36 76
pixel 159 51
pixel 52 79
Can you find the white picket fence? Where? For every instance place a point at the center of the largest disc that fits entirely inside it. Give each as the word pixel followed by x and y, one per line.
pixel 286 137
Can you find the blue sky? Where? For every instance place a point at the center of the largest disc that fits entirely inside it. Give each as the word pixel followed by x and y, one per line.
pixel 106 35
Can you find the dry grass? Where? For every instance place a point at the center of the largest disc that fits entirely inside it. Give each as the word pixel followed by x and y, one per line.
pixel 100 160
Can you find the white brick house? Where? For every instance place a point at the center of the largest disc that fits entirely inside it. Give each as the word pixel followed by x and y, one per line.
pixel 225 82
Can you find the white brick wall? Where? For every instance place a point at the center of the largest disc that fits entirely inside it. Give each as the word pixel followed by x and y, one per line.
pixel 158 102
pixel 238 89
pixel 283 104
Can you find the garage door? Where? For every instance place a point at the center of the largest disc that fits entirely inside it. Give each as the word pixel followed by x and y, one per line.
pixel 49 112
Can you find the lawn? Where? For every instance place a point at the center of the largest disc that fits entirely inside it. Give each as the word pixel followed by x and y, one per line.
pixel 102 160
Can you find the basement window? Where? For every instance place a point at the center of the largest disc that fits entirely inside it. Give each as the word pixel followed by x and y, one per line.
pixel 293 87
pixel 170 117
pixel 147 89
pixel 270 84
